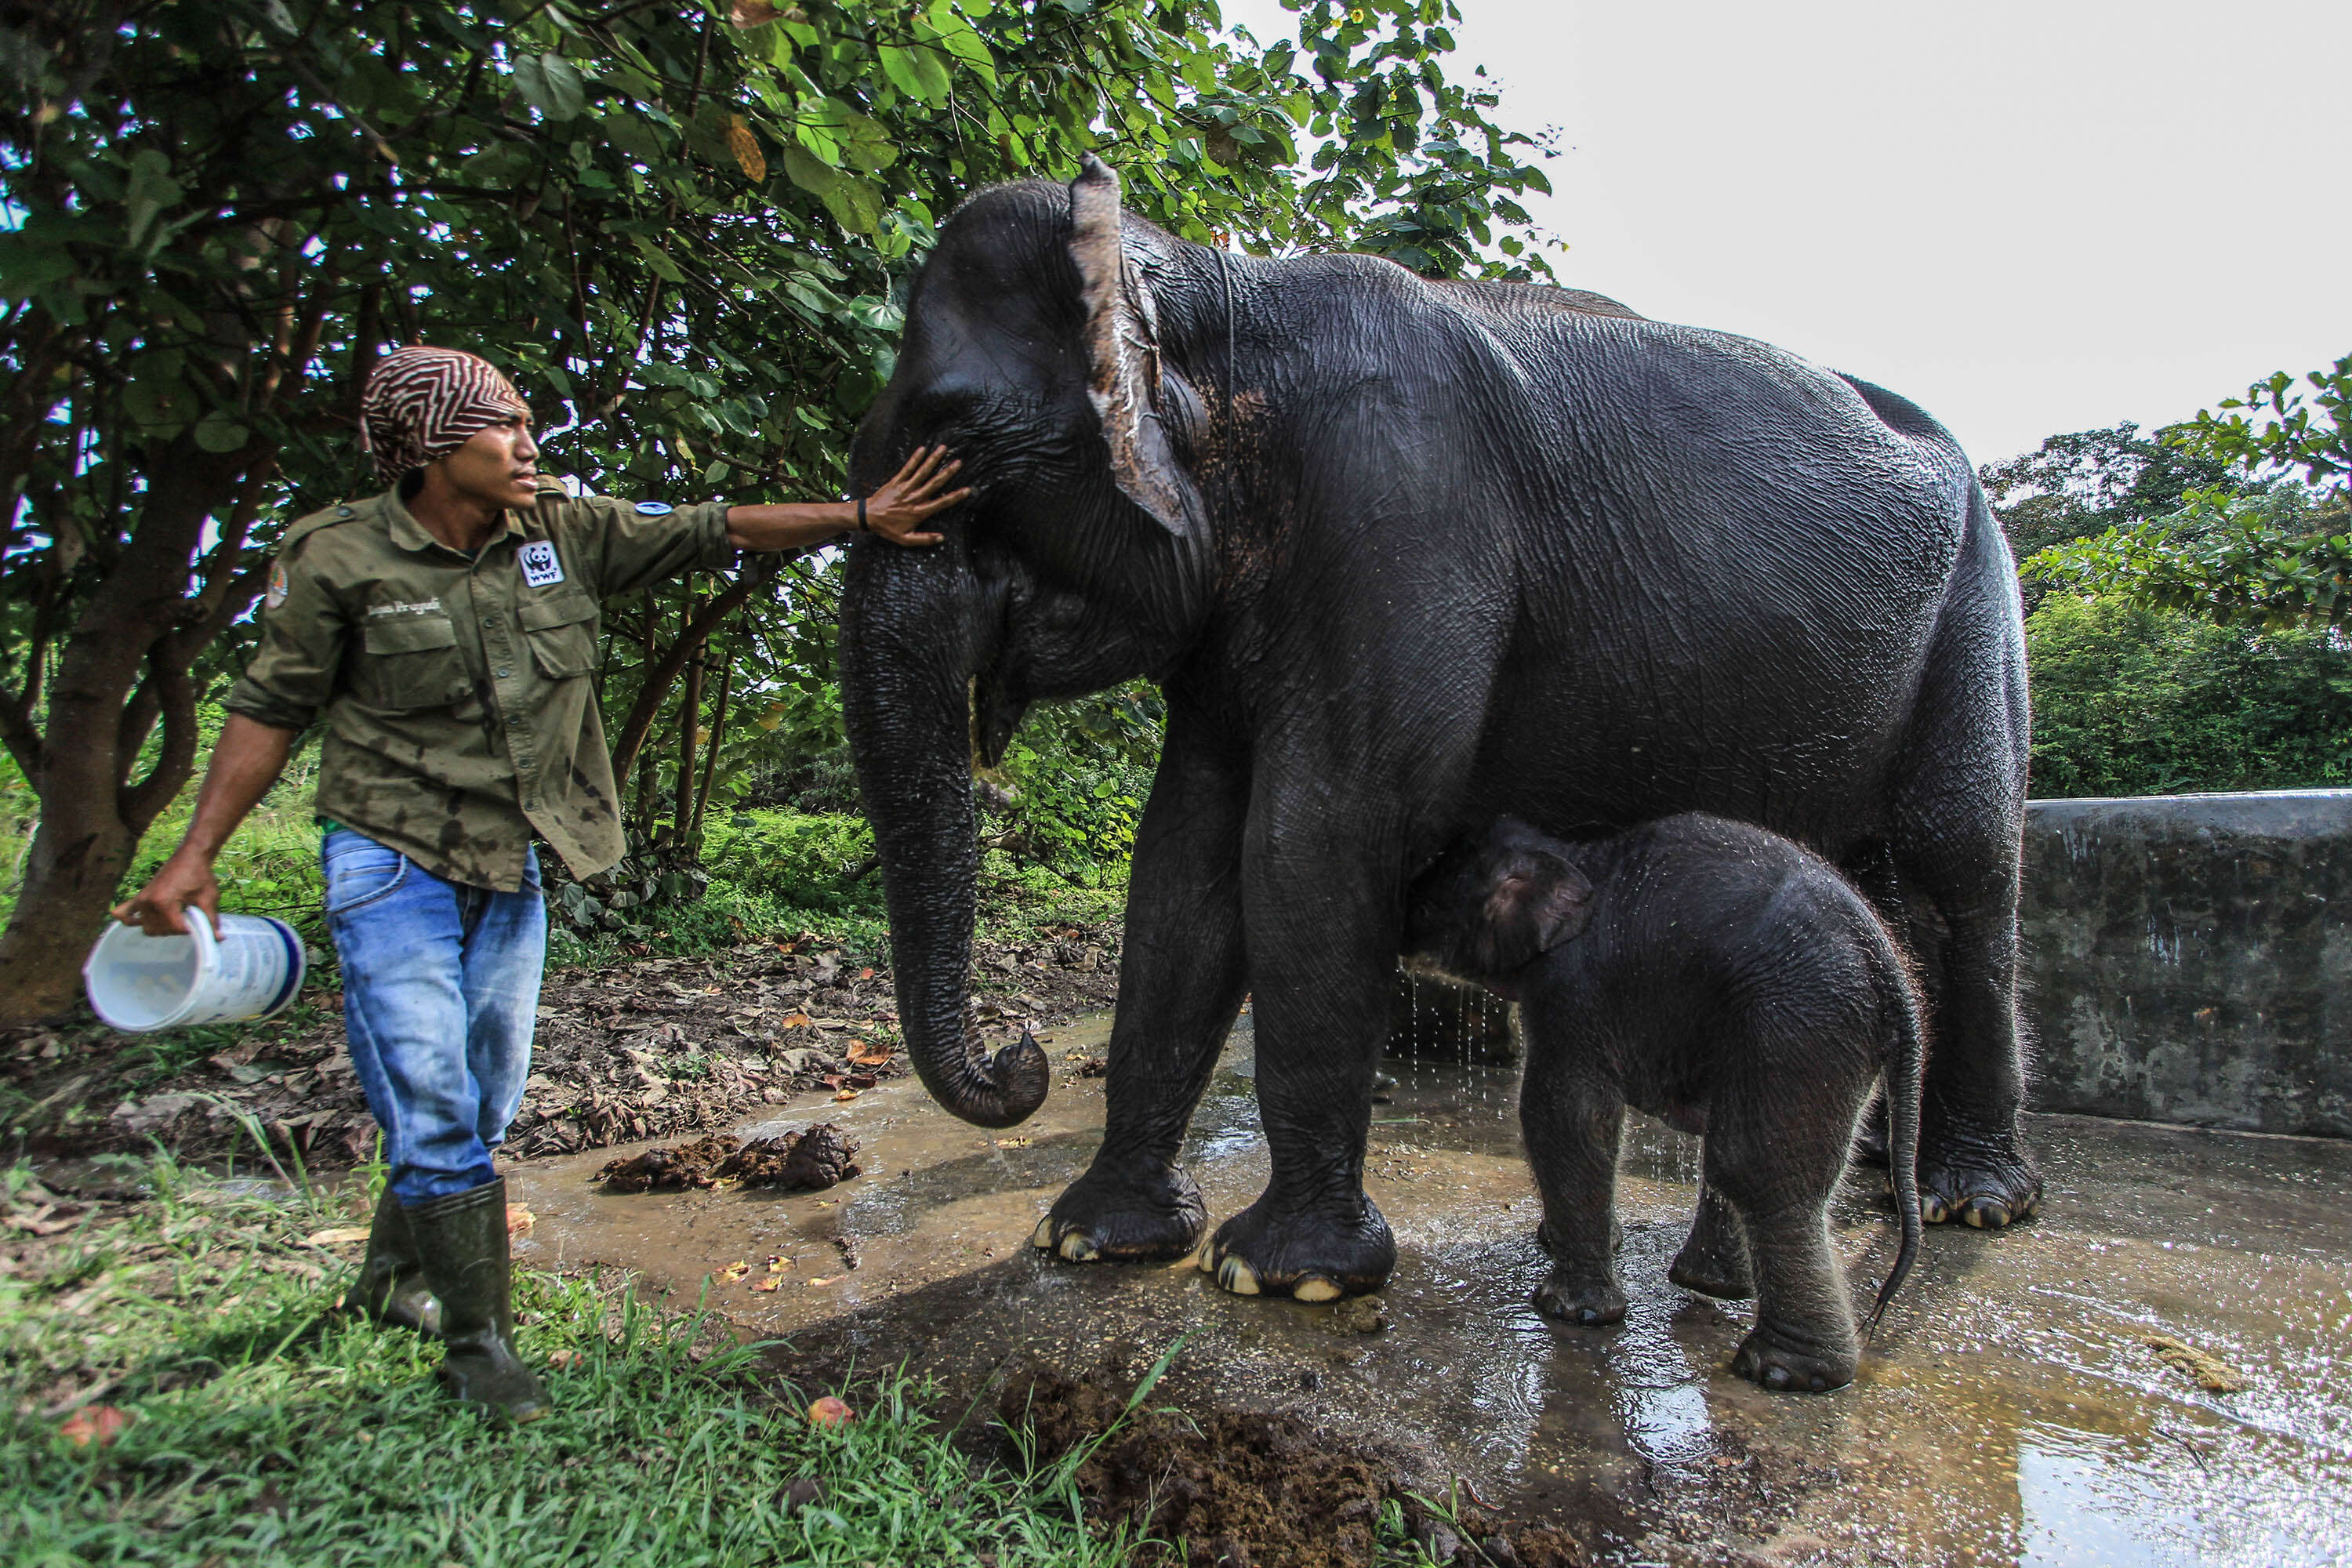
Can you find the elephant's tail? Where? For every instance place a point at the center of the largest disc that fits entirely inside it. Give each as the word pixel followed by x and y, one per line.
pixel 1906 1065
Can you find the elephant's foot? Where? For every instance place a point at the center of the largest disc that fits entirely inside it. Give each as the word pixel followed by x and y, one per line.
pixel 1107 1218
pixel 1711 1269
pixel 1985 1181
pixel 1312 1254
pixel 1789 1365
pixel 1578 1298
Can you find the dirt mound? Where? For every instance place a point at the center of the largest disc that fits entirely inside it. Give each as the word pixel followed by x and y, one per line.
pixel 1251 1490
pixel 808 1160
pixel 650 1047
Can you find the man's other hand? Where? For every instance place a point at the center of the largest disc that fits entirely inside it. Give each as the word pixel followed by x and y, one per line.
pixel 180 883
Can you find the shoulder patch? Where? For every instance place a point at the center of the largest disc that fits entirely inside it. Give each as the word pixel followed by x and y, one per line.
pixel 654 508
pixel 275 594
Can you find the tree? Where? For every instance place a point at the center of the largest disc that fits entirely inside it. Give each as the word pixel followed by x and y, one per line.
pixel 2082 484
pixel 683 233
pixel 2269 543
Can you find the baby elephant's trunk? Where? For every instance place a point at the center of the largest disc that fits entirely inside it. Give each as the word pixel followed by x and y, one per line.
pixel 1906 1065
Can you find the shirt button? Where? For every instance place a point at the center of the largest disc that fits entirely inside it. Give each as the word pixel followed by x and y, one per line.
pixel 505 673
pixel 490 620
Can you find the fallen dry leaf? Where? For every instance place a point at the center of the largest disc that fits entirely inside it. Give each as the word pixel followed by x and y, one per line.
pixel 733 1272
pixel 827 1281
pixel 564 1360
pixel 519 1220
pixel 339 1236
pixel 778 1263
pixel 830 1412
pixel 795 1021
pixel 1013 1142
pixel 98 1424
pixel 2210 1373
pixel 845 1094
pixel 765 1285
pixel 864 974
pixel 865 1055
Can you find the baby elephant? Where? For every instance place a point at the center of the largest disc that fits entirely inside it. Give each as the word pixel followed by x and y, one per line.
pixel 1729 982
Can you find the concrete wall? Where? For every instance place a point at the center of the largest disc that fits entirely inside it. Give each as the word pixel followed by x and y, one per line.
pixel 2184 959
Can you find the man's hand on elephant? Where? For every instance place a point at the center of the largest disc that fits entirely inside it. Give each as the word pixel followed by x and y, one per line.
pixel 182 882
pixel 913 495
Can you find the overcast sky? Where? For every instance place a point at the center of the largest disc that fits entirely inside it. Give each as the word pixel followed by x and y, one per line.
pixel 2028 218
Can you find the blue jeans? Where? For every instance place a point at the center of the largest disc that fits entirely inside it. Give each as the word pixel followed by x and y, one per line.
pixel 440 989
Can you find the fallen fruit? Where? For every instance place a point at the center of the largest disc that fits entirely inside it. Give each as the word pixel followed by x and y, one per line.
pixel 733 1272
pixel 830 1412
pixel 845 1094
pixel 764 1285
pixel 98 1424
pixel 519 1220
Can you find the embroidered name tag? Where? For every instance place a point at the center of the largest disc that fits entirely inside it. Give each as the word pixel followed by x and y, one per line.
pixel 539 566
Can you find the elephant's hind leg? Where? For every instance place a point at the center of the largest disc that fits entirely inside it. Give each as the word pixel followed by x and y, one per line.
pixel 1959 803
pixel 1714 1258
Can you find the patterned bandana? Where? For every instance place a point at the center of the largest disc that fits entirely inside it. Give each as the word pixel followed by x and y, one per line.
pixel 422 403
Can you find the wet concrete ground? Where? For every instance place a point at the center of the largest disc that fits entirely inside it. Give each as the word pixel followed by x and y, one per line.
pixel 2011 1410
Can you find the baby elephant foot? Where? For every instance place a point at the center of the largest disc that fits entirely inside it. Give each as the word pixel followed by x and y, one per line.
pixel 1310 1255
pixel 1712 1270
pixel 1107 1218
pixel 1581 1299
pixel 1765 1358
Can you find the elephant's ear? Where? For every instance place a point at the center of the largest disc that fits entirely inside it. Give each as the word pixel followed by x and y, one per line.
pixel 1537 901
pixel 1122 340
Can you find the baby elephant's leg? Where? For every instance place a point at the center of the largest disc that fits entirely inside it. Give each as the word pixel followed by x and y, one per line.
pixel 1778 1158
pixel 1571 1124
pixel 1714 1258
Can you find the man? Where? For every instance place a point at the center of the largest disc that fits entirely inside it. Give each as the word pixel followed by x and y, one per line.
pixel 447 631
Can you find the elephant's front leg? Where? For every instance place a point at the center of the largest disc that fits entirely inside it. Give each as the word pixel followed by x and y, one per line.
pixel 1179 985
pixel 1322 939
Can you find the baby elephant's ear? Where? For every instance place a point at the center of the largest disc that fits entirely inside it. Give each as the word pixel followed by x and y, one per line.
pixel 1538 902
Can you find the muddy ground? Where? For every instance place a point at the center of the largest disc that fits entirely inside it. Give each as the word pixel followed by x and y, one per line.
pixel 646 1047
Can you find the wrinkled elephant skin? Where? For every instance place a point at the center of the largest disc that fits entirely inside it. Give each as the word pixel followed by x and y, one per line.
pixel 1406 556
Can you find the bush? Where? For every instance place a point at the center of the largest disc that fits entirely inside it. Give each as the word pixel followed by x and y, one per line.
pixel 2129 700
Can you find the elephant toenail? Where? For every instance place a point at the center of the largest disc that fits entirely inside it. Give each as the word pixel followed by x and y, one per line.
pixel 1205 1260
pixel 1079 1248
pixel 1315 1287
pixel 1932 1209
pixel 1043 1237
pixel 1237 1276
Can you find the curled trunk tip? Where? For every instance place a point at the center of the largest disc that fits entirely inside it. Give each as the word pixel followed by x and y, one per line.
pixel 1002 1091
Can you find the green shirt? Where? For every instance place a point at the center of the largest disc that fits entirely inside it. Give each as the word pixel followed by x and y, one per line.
pixel 456 692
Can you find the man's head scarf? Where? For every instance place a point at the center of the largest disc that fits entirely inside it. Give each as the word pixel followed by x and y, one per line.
pixel 422 403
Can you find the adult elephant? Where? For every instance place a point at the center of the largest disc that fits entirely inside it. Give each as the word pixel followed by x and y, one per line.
pixel 1406 556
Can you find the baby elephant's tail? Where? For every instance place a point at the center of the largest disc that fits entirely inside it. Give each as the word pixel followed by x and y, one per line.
pixel 1906 1065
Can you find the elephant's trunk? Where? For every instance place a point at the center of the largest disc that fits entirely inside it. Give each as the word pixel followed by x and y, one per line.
pixel 912 635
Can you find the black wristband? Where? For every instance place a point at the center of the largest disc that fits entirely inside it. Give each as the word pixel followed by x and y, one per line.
pixel 861 516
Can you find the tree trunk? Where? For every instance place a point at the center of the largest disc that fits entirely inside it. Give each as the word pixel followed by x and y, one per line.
pixel 711 752
pixel 91 815
pixel 690 719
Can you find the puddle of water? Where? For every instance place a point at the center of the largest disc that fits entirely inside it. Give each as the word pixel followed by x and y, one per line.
pixel 2008 1412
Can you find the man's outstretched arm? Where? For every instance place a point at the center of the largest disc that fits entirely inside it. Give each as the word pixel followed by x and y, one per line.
pixel 245 762
pixel 909 499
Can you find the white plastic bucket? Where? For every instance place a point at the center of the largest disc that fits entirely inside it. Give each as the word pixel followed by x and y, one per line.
pixel 140 983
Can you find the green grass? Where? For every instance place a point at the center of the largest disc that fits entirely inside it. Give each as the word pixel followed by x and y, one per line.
pixel 264 1430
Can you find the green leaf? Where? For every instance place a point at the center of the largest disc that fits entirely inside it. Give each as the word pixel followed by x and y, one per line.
pixel 552 85
pixel 853 203
pixel 916 72
pixel 150 189
pixel 221 431
pixel 657 259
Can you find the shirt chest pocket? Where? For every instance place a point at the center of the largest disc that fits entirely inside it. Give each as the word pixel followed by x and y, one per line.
pixel 411 661
pixel 561 632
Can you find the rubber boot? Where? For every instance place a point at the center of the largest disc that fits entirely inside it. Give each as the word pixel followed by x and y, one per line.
pixel 462 1240
pixel 392 1288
